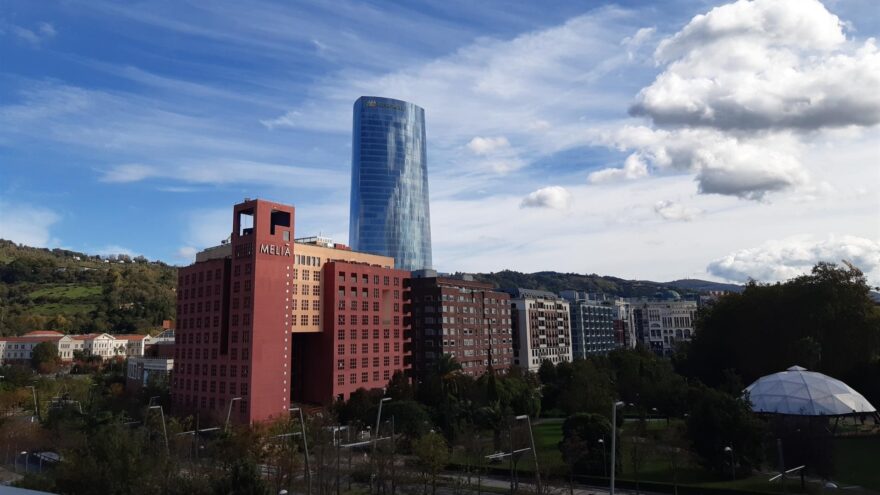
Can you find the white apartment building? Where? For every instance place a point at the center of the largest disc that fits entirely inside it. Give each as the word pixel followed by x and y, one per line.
pixel 541 328
pixel 661 324
pixel 19 349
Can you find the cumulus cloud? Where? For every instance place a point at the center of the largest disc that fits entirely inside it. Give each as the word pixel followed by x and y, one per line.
pixel 764 64
pixel 783 259
pixel 722 163
pixel 633 168
pixel 484 146
pixel 554 197
pixel 670 210
pixel 27 224
pixel 739 89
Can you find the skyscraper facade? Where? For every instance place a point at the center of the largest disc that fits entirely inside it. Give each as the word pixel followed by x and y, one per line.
pixel 389 182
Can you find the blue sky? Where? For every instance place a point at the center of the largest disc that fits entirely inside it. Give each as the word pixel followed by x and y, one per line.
pixel 627 139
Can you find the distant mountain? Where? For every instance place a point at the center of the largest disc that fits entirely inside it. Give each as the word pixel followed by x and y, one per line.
pixel 556 282
pixel 703 285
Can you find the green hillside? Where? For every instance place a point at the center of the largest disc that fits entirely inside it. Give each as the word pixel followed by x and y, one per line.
pixel 555 282
pixel 77 293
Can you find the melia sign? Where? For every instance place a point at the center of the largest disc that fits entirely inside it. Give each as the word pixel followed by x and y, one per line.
pixel 274 250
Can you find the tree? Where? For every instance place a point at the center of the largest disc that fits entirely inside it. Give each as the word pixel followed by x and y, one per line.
pixel 718 420
pixel 410 418
pixel 432 453
pixel 400 388
pixel 825 319
pixel 44 357
pixel 581 433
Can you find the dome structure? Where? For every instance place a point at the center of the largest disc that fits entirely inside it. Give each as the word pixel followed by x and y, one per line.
pixel 799 392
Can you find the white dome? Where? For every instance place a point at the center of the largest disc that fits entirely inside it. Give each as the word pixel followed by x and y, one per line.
pixel 797 391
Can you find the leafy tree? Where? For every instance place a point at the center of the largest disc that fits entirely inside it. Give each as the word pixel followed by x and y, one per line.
pixel 410 418
pixel 44 357
pixel 825 319
pixel 580 445
pixel 400 388
pixel 718 420
pixel 432 453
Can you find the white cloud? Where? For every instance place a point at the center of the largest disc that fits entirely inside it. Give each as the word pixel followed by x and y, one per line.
pixel 35 37
pixel 187 254
pixel 747 167
pixel 128 173
pixel 554 197
pixel 742 84
pixel 484 146
pixel 633 168
pixel 224 171
pixel 670 210
pixel 784 259
pixel 28 224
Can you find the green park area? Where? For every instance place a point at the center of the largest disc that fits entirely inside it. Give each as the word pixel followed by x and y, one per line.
pixel 856 461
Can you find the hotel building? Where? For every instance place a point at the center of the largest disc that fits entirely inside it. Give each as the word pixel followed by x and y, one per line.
pixel 254 319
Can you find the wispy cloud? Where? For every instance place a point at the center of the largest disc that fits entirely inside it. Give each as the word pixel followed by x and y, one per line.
pixel 35 37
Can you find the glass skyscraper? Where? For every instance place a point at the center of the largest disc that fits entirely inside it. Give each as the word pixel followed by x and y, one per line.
pixel 389 182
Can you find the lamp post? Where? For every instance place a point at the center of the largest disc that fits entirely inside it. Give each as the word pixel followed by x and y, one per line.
pixel 534 451
pixel 729 450
pixel 614 442
pixel 378 418
pixel 375 439
pixel 15 461
pixel 164 429
pixel 604 458
pixel 36 404
pixel 302 425
pixel 229 412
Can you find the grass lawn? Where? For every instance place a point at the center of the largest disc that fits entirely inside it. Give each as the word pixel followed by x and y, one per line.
pixel 65 299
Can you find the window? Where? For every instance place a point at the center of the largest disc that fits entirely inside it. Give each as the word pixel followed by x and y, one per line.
pixel 340 349
pixel 364 377
pixel 340 379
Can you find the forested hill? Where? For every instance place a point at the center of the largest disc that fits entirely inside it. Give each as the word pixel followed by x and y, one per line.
pixel 77 293
pixel 555 282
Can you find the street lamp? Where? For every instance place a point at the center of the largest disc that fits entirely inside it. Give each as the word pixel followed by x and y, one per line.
pixel 534 451
pixel 378 418
pixel 164 429
pixel 302 425
pixel 36 404
pixel 614 441
pixel 15 462
pixel 229 412
pixel 729 450
pixel 604 457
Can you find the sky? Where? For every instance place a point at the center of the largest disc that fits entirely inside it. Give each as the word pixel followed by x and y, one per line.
pixel 659 141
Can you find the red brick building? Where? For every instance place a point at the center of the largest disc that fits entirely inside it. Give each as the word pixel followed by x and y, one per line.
pixel 365 336
pixel 251 334
pixel 466 319
pixel 233 335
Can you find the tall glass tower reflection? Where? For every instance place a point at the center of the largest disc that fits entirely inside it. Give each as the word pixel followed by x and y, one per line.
pixel 389 182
